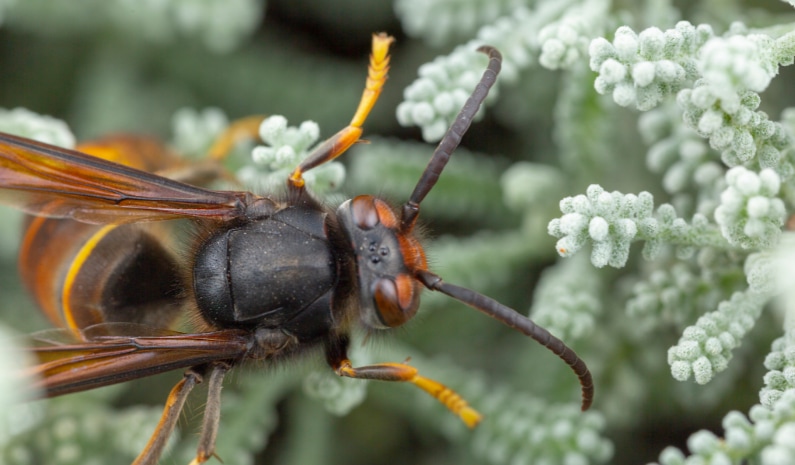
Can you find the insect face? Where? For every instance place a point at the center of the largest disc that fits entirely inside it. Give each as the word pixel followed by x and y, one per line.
pixel 386 259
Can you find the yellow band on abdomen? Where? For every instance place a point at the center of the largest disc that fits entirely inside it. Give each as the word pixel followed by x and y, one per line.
pixel 74 269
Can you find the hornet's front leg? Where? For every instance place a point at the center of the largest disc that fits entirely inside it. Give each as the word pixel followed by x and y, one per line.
pixel 337 358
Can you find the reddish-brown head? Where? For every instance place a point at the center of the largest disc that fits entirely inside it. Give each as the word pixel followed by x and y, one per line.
pixel 387 261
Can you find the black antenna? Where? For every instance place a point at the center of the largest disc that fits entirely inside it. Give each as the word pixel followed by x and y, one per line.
pixel 490 307
pixel 451 139
pixel 517 321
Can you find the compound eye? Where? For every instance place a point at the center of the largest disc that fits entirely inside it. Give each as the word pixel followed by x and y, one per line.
pixel 364 212
pixel 396 301
pixel 367 212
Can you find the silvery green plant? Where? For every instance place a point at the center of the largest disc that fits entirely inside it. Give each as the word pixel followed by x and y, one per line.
pixel 651 139
pixel 712 245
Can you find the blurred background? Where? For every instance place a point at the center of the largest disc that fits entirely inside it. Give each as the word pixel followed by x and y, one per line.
pixel 129 66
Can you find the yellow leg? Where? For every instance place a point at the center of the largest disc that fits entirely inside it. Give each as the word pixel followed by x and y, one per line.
pixel 212 414
pixel 174 404
pixel 337 144
pixel 247 127
pixel 405 373
pixel 208 169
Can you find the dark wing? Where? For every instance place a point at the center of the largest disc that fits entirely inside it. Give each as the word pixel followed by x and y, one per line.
pixel 46 180
pixel 64 366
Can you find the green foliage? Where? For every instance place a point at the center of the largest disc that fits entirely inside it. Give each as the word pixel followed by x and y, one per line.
pixel 656 123
pixel 285 148
pixel 25 123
